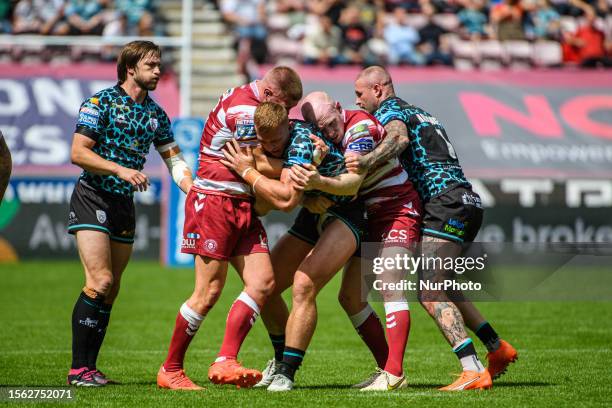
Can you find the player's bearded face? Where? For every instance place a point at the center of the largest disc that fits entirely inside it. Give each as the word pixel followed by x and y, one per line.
pixel 147 72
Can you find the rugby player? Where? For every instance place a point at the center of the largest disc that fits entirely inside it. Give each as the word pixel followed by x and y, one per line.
pixel 314 248
pixel 393 213
pixel 452 216
pixel 114 132
pixel 5 166
pixel 221 226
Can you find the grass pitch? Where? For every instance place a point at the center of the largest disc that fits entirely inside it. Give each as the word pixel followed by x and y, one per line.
pixel 564 348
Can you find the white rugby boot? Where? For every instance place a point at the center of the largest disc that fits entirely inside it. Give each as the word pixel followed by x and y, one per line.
pixel 267 374
pixel 386 382
pixel 280 383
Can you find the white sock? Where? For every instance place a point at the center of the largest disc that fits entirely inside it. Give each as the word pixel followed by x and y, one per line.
pixel 472 363
pixel 358 318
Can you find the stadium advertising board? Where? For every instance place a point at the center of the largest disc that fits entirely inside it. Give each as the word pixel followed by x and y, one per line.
pixel 39 107
pixel 506 124
pixel 34 217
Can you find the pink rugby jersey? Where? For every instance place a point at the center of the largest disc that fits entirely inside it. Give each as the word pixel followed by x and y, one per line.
pixel 362 133
pixel 232 118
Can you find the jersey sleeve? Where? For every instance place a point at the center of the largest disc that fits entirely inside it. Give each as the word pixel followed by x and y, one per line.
pixel 92 118
pixel 163 133
pixel 300 148
pixel 362 137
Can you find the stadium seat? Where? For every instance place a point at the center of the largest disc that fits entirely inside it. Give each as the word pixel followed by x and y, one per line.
pixel 491 54
pixel 417 21
pixel 448 21
pixel 465 53
pixel 518 54
pixel 547 54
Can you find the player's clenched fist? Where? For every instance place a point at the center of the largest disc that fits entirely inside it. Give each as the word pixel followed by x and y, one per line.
pixel 138 180
pixel 305 176
pixel 355 163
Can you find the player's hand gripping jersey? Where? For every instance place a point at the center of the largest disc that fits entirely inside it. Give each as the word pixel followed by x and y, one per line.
pixel 123 130
pixel 300 151
pixel 430 159
pixel 362 133
pixel 220 222
pixel 232 118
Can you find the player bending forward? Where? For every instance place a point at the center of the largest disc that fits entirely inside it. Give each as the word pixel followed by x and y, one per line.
pixel 221 227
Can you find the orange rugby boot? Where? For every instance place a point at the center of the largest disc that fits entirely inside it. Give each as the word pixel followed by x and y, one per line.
pixel 470 380
pixel 230 371
pixel 500 359
pixel 175 380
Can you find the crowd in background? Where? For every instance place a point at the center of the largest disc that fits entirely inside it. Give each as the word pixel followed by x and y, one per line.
pixel 357 32
pixel 77 17
pixel 419 32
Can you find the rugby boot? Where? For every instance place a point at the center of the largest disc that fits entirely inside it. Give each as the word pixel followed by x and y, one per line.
pixel 500 359
pixel 229 371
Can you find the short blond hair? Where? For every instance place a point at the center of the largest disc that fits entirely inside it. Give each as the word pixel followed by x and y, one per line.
pixel 269 116
pixel 287 81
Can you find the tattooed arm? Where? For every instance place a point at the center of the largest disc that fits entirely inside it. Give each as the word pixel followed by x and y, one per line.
pixel 396 141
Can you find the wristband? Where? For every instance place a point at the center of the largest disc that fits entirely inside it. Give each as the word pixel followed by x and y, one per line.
pixel 255 182
pixel 244 173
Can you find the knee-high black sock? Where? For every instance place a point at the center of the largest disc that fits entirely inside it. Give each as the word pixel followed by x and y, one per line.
pixel 85 319
pixel 292 359
pixel 98 337
pixel 488 336
pixel 278 342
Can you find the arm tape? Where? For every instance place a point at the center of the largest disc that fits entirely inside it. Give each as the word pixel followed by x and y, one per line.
pixel 178 168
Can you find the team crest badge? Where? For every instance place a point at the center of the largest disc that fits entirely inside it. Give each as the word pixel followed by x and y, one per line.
pixel 101 216
pixel 210 245
pixel 153 123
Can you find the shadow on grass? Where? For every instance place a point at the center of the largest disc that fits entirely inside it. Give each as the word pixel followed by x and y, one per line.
pixel 495 385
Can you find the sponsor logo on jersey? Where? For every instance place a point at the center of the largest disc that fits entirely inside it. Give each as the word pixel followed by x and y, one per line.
pixel 395 235
pixel 188 243
pixel 358 131
pixel 245 128
pixel 193 235
pixel 469 199
pixel 101 216
pixel 95 101
pixel 427 119
pixel 365 144
pixel 88 116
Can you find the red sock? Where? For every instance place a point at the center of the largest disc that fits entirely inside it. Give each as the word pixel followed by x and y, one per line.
pixel 371 331
pixel 240 319
pixel 398 328
pixel 187 324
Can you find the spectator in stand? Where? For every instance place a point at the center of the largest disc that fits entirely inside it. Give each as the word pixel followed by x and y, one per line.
pixel 6 11
pixel 331 8
pixel 322 43
pixel 402 39
pixel 39 17
pixel 472 20
pixel 543 22
pixel 86 17
pixel 587 46
pixel 433 45
pixel 248 18
pixel 138 15
pixel 507 20
pixel 355 37
pixel 408 5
